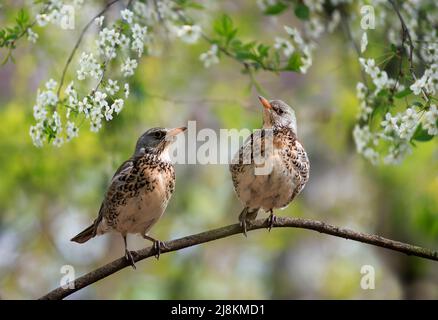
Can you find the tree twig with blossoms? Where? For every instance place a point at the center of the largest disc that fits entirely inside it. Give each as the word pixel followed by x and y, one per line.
pixel 397 108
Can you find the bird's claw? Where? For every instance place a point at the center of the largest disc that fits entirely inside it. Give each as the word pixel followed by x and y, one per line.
pixel 158 245
pixel 243 224
pixel 271 221
pixel 130 259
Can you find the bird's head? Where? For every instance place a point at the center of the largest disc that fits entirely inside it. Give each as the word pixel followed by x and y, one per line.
pixel 277 113
pixel 157 140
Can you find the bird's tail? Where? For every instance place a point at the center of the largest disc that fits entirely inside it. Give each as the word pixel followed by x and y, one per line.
pixel 85 235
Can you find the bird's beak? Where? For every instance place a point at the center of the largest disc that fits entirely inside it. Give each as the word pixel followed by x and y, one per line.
pixel 175 131
pixel 265 103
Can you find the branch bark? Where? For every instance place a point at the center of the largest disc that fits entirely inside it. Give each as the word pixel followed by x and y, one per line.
pixel 215 234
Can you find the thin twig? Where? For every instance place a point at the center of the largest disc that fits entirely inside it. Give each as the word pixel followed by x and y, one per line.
pixel 211 235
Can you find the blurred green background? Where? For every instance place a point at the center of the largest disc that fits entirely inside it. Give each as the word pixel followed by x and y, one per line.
pixel 48 195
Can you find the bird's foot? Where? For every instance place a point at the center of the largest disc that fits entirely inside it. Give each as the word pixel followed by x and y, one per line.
pixel 243 224
pixel 158 245
pixel 271 221
pixel 130 258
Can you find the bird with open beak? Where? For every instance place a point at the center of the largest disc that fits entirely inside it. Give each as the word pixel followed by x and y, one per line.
pixel 139 191
pixel 288 163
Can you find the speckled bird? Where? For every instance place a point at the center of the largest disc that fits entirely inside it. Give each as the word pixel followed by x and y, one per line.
pixel 287 158
pixel 139 191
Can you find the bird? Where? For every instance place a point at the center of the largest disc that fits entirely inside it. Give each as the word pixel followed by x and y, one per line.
pixel 286 158
pixel 139 191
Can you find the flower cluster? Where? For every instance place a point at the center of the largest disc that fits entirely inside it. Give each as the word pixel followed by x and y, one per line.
pixel 57 113
pixel 391 140
pixel 57 12
pixel 396 104
pixel 428 82
pixel 306 48
pixel 210 57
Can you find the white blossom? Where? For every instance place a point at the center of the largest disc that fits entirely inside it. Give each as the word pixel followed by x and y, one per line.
pixel 210 57
pixel 314 28
pixel 138 36
pixel 31 36
pixel 117 106
pixel 126 90
pixel 109 113
pixel 284 45
pixel 99 21
pixel 72 130
pixel 418 86
pixel 96 125
pixel 189 33
pixel 39 113
pixel 42 19
pixel 108 39
pixel 112 88
pixel 128 67
pixel 58 142
pixel 88 67
pixel 363 42
pixel 127 15
pixel 51 84
pixel 431 120
pixel 36 133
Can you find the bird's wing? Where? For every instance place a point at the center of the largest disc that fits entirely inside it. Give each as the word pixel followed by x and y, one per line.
pixel 301 165
pixel 118 178
pixel 244 158
pixel 255 142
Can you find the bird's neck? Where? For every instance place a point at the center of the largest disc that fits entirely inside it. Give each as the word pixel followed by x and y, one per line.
pixel 281 128
pixel 160 154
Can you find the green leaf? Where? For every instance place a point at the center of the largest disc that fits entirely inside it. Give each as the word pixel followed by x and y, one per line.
pixel 421 134
pixel 22 18
pixel 417 104
pixel 225 28
pixel 276 9
pixel 383 93
pixel 302 11
pixel 263 50
pixel 403 93
pixel 294 63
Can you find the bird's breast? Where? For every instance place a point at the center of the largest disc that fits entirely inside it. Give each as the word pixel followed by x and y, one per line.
pixel 270 189
pixel 142 211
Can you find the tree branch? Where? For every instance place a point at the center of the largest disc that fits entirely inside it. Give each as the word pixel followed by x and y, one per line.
pixel 215 234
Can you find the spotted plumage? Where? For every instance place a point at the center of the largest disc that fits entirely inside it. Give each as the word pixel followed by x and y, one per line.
pixel 286 158
pixel 139 190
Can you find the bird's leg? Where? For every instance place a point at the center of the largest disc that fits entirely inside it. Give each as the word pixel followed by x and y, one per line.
pixel 242 219
pixel 245 218
pixel 271 220
pixel 158 245
pixel 128 254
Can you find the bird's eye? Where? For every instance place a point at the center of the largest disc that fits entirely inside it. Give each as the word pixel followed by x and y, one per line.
pixel 158 134
pixel 279 111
